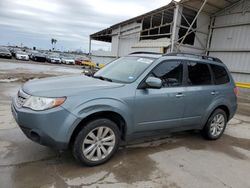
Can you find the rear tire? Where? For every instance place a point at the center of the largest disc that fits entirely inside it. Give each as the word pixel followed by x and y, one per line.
pixel 97 142
pixel 215 125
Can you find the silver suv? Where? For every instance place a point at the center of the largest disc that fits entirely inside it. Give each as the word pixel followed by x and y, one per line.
pixel 134 95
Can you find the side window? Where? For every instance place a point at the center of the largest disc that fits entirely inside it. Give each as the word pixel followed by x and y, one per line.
pixel 220 74
pixel 198 74
pixel 170 72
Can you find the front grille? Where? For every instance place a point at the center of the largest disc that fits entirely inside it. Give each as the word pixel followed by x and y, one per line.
pixel 21 98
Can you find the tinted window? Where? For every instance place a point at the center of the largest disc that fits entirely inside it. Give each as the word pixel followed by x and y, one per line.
pixel 198 74
pixel 220 74
pixel 170 72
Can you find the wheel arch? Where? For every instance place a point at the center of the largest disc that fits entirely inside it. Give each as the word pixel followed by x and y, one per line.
pixel 111 115
pixel 219 106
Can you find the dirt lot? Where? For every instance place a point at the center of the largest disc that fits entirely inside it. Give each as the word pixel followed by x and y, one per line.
pixel 178 160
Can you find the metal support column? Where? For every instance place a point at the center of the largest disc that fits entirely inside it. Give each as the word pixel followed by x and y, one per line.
pixel 90 39
pixel 118 42
pixel 176 12
pixel 209 39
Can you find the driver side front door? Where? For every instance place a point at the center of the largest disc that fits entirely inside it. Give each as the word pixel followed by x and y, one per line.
pixel 161 108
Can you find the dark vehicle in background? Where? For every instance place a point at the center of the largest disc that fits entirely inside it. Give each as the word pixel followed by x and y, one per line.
pixel 53 58
pixel 37 56
pixel 5 53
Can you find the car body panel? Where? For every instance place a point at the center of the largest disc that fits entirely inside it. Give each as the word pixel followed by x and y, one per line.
pixel 162 108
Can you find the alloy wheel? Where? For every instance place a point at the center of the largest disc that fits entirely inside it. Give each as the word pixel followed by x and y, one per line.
pixel 99 143
pixel 217 125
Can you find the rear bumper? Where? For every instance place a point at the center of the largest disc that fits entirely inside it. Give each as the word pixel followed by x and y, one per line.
pixel 233 111
pixel 50 127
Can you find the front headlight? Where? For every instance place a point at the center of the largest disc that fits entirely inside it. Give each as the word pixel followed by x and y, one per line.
pixel 42 103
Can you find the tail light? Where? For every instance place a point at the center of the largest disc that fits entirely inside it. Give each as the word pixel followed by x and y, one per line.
pixel 235 90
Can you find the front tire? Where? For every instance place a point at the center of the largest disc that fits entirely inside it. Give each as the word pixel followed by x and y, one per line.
pixel 215 125
pixel 97 142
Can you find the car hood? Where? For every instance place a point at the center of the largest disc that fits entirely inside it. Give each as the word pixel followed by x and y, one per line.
pixel 38 55
pixel 67 59
pixel 1 52
pixel 66 86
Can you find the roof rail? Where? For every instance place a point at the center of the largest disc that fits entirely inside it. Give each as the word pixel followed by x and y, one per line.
pixel 196 56
pixel 154 53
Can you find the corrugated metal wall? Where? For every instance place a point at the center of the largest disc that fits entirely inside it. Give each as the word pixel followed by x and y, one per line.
pixel 129 35
pixel 231 42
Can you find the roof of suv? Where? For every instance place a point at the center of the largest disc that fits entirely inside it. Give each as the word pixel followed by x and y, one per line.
pixel 178 54
pixel 147 54
pixel 195 56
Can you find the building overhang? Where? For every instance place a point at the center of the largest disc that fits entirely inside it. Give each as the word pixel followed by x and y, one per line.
pixel 211 8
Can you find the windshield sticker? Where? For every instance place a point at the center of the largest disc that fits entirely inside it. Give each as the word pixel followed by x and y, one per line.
pixel 144 60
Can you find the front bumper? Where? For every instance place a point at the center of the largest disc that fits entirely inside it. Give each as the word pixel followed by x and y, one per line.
pixel 25 58
pixel 52 127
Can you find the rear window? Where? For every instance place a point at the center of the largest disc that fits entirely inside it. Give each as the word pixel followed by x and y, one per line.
pixel 220 74
pixel 198 74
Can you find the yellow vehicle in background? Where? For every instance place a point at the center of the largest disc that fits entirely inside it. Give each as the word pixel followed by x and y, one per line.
pixel 101 65
pixel 89 63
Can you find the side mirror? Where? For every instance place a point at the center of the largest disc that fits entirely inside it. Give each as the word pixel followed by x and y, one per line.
pixel 153 82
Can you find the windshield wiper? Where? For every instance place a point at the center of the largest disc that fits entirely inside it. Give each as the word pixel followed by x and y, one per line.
pixel 103 78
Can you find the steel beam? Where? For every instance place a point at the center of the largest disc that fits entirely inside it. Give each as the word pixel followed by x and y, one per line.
pixel 191 25
pixel 176 12
pixel 183 16
pixel 231 25
pixel 90 39
pixel 229 50
pixel 209 39
pixel 118 42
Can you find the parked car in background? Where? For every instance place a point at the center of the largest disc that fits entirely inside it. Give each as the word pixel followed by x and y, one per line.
pixel 67 59
pixel 53 58
pixel 21 55
pixel 28 51
pixel 88 63
pixel 37 56
pixel 100 65
pixel 78 60
pixel 5 53
pixel 13 51
pixel 132 97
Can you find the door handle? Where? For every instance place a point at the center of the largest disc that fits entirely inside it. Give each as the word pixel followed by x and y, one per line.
pixel 178 95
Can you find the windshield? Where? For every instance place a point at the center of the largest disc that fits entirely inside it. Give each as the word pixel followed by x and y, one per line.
pixel 125 69
pixel 21 52
pixel 4 49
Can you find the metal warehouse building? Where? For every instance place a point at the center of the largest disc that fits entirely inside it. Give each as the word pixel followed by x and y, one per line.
pixel 219 28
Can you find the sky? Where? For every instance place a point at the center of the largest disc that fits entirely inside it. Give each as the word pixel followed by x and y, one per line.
pixel 35 22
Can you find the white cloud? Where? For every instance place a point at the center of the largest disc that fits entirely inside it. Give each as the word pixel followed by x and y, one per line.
pixel 34 22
